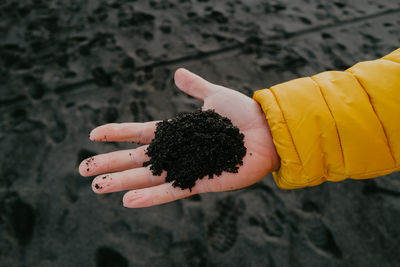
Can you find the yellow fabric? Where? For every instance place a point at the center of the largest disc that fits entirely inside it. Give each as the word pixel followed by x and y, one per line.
pixel 336 125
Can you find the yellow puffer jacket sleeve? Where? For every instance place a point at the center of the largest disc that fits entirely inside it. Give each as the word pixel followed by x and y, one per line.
pixel 336 125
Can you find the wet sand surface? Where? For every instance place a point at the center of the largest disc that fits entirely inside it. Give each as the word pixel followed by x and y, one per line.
pixel 69 66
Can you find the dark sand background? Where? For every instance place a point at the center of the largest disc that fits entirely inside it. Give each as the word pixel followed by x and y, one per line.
pixel 68 66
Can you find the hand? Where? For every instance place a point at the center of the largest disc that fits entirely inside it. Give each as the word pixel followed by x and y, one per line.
pixel 122 170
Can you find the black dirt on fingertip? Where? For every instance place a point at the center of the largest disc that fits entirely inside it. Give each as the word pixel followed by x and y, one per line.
pixel 194 145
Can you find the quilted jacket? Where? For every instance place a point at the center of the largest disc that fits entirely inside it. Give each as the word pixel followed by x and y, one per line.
pixel 336 124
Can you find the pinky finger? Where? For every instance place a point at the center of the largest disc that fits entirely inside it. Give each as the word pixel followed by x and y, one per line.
pixel 156 195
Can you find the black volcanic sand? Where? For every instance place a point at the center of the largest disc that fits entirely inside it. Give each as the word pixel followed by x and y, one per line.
pixel 193 145
pixel 69 66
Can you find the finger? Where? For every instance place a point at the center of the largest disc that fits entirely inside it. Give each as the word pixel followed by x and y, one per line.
pixel 125 132
pixel 114 161
pixel 193 84
pixel 155 195
pixel 126 180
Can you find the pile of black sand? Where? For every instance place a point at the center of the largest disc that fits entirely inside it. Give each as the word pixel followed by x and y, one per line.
pixel 194 145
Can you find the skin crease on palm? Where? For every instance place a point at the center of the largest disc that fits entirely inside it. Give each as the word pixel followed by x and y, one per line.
pixel 123 171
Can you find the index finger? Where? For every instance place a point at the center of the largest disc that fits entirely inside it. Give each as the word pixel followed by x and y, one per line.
pixel 125 132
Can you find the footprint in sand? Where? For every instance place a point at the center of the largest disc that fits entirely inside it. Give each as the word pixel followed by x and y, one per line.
pixel 322 238
pixel 222 232
pixel 106 257
pixel 19 219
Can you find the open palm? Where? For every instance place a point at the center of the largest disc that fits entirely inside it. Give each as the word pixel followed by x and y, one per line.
pixel 122 170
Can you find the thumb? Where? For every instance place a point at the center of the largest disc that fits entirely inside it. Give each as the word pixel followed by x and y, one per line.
pixel 193 84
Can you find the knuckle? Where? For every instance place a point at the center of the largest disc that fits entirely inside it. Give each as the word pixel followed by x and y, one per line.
pixel 139 136
pixel 172 194
pixel 109 160
pixel 150 178
pixel 133 159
